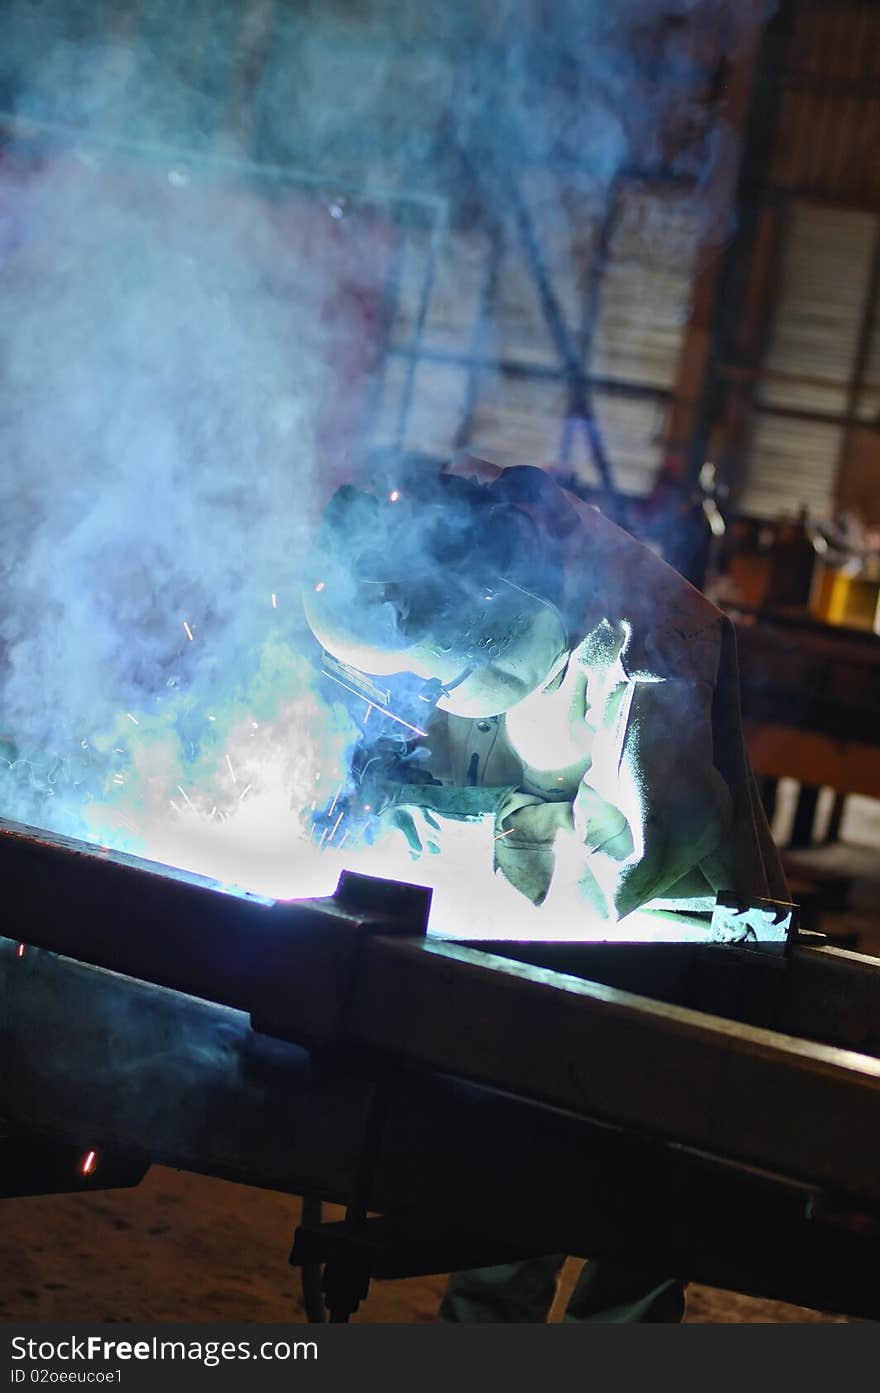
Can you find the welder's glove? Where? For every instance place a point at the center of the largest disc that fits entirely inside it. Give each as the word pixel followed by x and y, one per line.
pixel 419 827
pixel 526 827
pixel 601 826
pixel 670 807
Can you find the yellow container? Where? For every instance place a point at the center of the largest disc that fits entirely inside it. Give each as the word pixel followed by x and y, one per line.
pixel 847 595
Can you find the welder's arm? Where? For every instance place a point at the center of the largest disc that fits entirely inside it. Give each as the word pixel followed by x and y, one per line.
pixel 415 808
pixel 461 803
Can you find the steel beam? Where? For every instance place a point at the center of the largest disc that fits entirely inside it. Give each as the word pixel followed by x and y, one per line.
pixel 319 973
pixel 738 1091
pixel 94 1059
pixel 289 963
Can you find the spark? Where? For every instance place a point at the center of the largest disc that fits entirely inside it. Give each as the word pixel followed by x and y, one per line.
pixel 416 730
pixel 231 770
pixel 274 600
pixel 393 495
pixel 212 718
pixel 499 835
pixel 188 631
pixel 21 950
pixel 386 710
pixel 368 711
pixel 185 796
pixel 132 718
pixel 336 824
pixel 88 1163
pixel 243 792
pixel 335 800
pixel 320 586
pixel 174 805
pixel 342 839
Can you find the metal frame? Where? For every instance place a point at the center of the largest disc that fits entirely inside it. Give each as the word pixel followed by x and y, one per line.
pixel 355 973
pixel 631 1091
pixel 95 1059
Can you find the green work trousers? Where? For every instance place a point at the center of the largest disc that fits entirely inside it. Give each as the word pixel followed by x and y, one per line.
pixel 610 1291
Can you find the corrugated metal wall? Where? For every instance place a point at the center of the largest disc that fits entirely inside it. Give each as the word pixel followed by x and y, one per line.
pixel 810 361
pixel 509 361
pixel 829 128
pixel 817 402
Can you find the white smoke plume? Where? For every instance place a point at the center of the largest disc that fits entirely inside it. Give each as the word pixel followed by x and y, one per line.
pixel 185 345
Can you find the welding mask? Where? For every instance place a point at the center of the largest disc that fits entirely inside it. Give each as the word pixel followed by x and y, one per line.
pixel 416 586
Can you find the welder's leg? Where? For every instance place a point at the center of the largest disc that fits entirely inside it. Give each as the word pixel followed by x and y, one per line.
pixel 615 1291
pixel 515 1291
pixel 612 1291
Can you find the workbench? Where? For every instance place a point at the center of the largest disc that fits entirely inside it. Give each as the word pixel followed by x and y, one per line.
pixel 810 695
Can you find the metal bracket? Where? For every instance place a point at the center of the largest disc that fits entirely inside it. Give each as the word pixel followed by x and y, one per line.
pixel 767 925
pixel 309 1004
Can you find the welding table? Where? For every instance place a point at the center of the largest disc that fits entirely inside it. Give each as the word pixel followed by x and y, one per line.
pixel 712 1110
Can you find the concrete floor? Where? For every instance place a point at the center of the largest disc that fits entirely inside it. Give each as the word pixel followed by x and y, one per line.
pixel 182 1247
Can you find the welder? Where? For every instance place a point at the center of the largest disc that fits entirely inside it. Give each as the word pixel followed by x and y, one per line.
pixel 578 679
pixel 580 688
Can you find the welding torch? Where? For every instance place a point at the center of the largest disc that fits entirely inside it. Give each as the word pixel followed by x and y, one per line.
pixel 384 783
pixel 383 774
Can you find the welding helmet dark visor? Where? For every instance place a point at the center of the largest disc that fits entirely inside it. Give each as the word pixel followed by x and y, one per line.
pixel 416 586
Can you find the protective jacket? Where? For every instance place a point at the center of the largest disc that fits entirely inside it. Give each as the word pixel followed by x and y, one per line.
pixel 627 768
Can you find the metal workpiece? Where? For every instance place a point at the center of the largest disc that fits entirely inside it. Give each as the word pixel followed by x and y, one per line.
pixel 97 1058
pixel 34 1163
pixel 740 1091
pixel 755 1060
pixel 709 1049
pixel 93 1059
pixel 289 963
